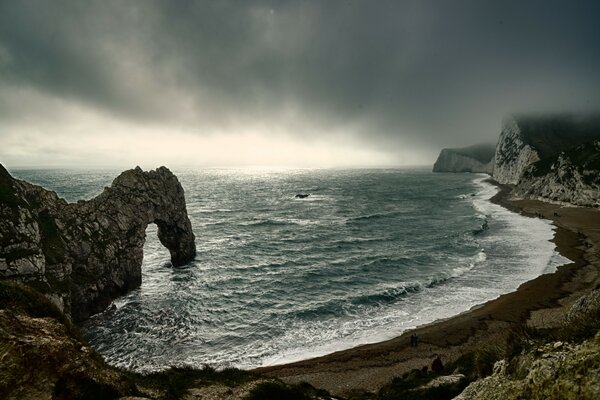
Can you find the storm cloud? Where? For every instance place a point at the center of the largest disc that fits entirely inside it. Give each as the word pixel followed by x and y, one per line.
pixel 394 80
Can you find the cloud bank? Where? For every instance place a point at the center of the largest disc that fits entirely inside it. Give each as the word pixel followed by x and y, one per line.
pixel 306 83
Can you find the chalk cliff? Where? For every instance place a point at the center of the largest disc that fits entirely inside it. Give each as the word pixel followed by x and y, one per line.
pixel 526 139
pixel 476 158
pixel 82 255
pixel 571 176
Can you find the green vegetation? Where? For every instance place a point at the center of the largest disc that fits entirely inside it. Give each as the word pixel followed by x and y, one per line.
pixel 24 299
pixel 279 390
pixel 176 381
pixel 411 386
pixel 585 157
pixel 552 134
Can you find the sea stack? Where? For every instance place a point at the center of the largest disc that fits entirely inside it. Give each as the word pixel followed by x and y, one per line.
pixel 83 255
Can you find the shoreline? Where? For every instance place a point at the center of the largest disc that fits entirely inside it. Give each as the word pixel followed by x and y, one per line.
pixel 540 302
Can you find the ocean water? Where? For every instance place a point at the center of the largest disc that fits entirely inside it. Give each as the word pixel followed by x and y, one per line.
pixel 368 255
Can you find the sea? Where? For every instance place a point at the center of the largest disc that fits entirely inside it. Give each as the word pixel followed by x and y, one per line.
pixel 369 254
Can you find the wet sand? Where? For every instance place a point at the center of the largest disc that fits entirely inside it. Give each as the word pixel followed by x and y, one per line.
pixel 540 302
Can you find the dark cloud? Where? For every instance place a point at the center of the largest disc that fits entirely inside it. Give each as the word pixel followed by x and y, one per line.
pixel 419 73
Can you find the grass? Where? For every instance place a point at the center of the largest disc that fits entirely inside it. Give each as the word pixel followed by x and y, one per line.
pixel 23 298
pixel 176 381
pixel 410 385
pixel 278 390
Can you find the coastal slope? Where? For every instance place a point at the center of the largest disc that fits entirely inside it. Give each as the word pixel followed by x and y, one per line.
pixel 526 139
pixel 571 177
pixel 83 255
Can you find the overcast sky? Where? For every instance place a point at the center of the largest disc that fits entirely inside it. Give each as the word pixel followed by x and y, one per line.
pixel 291 83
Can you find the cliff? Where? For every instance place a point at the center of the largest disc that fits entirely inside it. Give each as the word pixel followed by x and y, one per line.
pixel 476 158
pixel 571 176
pixel 527 139
pixel 83 255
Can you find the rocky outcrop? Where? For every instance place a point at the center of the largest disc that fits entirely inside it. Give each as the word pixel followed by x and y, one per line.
pixel 550 369
pixel 571 177
pixel 82 255
pixel 468 159
pixel 525 140
pixel 513 154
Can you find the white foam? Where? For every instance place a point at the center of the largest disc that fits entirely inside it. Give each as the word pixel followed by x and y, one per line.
pixel 484 278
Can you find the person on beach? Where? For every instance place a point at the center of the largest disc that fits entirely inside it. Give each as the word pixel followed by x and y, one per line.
pixel 413 340
pixel 437 365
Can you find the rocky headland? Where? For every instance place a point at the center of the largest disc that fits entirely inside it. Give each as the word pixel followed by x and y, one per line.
pixel 477 158
pixel 529 139
pixel 553 158
pixel 83 255
pixel 569 177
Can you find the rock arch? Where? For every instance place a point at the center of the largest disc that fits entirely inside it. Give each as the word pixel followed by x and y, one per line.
pixel 85 254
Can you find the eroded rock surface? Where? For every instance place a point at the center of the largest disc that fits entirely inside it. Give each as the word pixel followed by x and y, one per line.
pixel 82 255
pixel 526 139
pixel 513 153
pixel 571 176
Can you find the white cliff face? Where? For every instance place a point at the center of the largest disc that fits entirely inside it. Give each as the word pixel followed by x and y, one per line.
pixel 451 161
pixel 513 155
pixel 566 181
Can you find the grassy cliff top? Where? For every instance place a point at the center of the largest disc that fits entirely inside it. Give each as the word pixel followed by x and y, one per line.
pixel 551 134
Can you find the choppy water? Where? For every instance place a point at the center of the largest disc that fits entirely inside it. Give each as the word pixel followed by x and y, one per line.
pixel 368 255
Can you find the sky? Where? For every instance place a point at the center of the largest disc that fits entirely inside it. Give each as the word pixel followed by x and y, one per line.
pixel 333 83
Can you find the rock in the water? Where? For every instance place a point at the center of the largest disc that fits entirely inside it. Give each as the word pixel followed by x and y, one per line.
pixel 84 254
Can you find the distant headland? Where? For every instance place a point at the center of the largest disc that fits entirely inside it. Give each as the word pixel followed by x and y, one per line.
pixel 552 158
